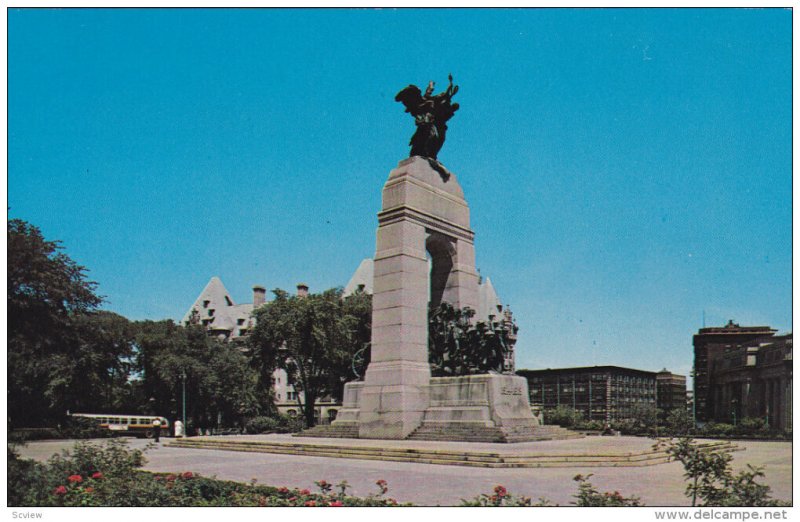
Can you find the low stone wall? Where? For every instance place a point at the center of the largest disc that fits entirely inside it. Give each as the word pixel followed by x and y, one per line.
pixel 488 400
pixel 351 403
pixel 491 400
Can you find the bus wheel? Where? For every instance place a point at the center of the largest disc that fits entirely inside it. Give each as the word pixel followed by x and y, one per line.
pixel 148 434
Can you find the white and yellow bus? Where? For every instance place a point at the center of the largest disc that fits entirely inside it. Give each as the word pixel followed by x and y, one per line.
pixel 138 425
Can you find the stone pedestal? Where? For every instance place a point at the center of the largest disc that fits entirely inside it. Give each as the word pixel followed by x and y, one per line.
pixel 424 215
pixel 422 212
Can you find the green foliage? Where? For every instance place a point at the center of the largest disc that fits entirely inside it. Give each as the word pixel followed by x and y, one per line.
pixel 678 422
pixel 458 346
pixel 500 497
pixel 82 428
pixel 108 475
pixel 27 482
pixel 710 478
pixel 589 496
pixel 721 429
pixel 261 425
pixel 221 386
pixel 313 338
pixel 593 425
pixel 112 458
pixel 46 292
pixel 563 416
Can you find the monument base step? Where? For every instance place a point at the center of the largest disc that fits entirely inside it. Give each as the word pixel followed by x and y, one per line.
pixel 425 454
pixel 466 432
pixel 331 431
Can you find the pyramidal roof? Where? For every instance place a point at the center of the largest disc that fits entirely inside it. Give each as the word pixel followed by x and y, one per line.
pixel 214 297
pixel 362 276
pixel 488 302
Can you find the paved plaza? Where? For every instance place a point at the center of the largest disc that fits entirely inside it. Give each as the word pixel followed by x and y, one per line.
pixel 431 485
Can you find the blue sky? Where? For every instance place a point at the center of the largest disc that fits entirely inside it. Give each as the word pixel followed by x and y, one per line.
pixel 626 170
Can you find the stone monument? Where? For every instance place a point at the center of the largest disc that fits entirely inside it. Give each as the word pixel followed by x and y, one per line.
pixel 424 213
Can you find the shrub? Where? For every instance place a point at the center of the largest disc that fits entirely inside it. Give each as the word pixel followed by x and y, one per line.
pixel 82 428
pixel 111 459
pixel 289 424
pixel 752 427
pixel 262 425
pixel 710 478
pixel 594 425
pixel 106 475
pixel 713 429
pixel 26 480
pixel 589 496
pixel 563 416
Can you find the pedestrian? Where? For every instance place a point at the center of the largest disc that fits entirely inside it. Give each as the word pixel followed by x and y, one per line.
pixel 156 429
pixel 178 429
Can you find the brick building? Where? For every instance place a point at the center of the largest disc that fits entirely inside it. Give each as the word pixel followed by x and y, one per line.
pixel 752 379
pixel 709 343
pixel 670 391
pixel 742 371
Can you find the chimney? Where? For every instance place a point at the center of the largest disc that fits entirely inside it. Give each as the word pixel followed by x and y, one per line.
pixel 302 290
pixel 259 296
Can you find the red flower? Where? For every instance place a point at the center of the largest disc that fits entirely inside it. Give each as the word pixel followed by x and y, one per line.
pixel 292 499
pixel 305 492
pixel 381 482
pixel 171 477
pixel 187 474
pixel 89 489
pixel 97 475
pixel 311 503
pixel 60 490
pixel 75 478
pixel 283 490
pixel 500 491
pixel 337 503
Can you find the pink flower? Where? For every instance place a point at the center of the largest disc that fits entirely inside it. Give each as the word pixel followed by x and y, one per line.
pixel 305 492
pixel 311 503
pixel 75 479
pixel 171 477
pixel 187 474
pixel 283 490
pixel 500 491
pixel 292 499
pixel 89 489
pixel 60 490
pixel 337 503
pixel 97 475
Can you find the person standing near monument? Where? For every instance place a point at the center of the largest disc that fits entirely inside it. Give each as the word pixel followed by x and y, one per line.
pixel 156 429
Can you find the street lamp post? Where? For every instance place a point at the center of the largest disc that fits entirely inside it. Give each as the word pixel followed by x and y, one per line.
pixel 183 390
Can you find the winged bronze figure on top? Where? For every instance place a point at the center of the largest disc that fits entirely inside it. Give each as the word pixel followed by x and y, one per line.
pixel 431 113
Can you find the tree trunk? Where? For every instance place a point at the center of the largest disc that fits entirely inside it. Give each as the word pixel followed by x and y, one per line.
pixel 309 411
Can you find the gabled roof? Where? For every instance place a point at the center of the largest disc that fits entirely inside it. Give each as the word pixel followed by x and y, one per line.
pixel 488 302
pixel 362 276
pixel 216 308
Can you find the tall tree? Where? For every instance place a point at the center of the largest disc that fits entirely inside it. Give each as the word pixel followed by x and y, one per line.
pixel 313 338
pixel 219 383
pixel 46 291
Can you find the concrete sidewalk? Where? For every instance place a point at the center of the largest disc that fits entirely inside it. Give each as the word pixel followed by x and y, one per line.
pixel 431 485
